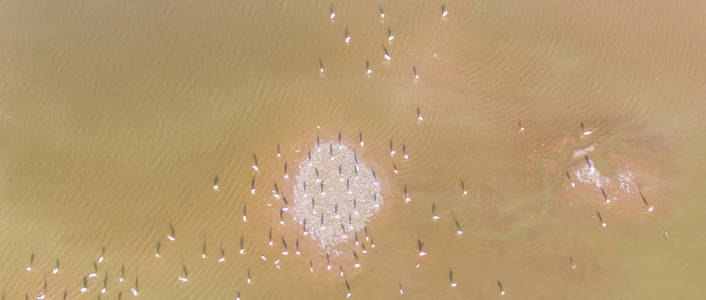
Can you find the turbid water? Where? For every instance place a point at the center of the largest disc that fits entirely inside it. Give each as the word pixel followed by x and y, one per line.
pixel 117 116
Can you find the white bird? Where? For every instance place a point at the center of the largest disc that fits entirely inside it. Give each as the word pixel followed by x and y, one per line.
pixel 420 245
pixel 85 285
pixel 184 277
pixel 583 129
pixel 122 274
pixel 31 262
pixel 101 258
pixel 406 195
pixel 56 269
pixel 135 289
pixel 171 235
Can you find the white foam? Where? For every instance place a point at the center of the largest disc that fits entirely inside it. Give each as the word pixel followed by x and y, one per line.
pixel 584 151
pixel 591 176
pixel 625 178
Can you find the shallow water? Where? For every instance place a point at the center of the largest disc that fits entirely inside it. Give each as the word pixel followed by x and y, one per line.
pixel 115 117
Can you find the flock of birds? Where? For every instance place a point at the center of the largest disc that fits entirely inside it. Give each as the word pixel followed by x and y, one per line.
pixel 134 287
pixel 278 194
pixel 390 37
pixel 386 53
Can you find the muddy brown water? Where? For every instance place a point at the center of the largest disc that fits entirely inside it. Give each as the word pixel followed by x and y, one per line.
pixel 115 117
